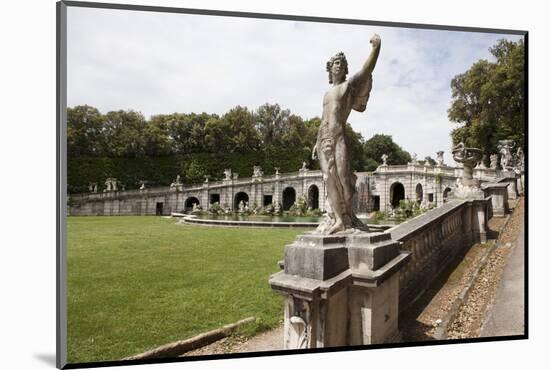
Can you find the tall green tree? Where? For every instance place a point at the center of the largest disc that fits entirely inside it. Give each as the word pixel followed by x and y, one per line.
pixel 488 99
pixel 187 132
pixel 379 145
pixel 124 134
pixel 85 131
pixel 125 145
pixel 240 129
pixel 271 123
pixel 157 140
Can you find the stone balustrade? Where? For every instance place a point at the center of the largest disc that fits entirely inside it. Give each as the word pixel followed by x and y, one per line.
pixel 434 240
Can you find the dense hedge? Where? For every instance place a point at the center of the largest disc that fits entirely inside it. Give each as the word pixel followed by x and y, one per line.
pixel 159 171
pixel 126 146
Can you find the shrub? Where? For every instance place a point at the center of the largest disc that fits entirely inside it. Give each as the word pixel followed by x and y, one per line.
pixel 299 208
pixel 408 209
pixel 161 171
pixel 215 209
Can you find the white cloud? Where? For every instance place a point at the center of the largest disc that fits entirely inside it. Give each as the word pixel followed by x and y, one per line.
pixel 162 63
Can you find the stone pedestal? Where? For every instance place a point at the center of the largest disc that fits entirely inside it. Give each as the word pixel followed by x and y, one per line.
pixel 510 178
pixel 479 208
pixel 519 182
pixel 499 198
pixel 340 290
pixel 467 192
pixel 477 213
pixel 522 179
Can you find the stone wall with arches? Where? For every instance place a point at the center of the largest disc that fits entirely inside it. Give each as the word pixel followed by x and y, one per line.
pixel 257 190
pixel 424 183
pixel 375 191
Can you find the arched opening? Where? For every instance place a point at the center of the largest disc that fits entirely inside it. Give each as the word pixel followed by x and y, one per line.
pixel 159 208
pixel 188 205
pixel 446 194
pixel 397 193
pixel 289 197
pixel 240 196
pixel 313 197
pixel 419 193
pixel 214 198
pixel 376 202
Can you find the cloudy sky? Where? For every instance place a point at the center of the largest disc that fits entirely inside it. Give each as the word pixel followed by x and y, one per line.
pixel 159 63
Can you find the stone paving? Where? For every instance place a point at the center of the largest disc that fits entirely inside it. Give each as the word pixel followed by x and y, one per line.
pixel 506 314
pixel 477 308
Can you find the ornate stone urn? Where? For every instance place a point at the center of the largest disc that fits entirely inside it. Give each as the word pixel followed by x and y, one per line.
pixel 469 158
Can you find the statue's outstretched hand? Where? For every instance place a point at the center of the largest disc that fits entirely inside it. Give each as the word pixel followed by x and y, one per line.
pixel 314 152
pixel 375 41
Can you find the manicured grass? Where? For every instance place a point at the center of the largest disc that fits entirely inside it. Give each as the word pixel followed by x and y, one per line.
pixel 135 283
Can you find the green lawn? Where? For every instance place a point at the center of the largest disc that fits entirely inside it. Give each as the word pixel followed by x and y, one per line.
pixel 135 283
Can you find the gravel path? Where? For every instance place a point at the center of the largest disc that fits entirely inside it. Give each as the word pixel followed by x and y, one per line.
pixel 506 314
pixel 474 311
pixel 269 341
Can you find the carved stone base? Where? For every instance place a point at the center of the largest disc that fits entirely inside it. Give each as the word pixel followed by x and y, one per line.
pixel 510 178
pixel 467 192
pixel 340 290
pixel 499 198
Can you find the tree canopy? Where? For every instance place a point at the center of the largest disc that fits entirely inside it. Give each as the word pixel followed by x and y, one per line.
pixel 488 99
pixel 379 145
pixel 128 134
pixel 125 145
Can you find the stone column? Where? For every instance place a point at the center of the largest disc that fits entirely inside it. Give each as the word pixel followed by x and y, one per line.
pixel 260 194
pixel 340 290
pixel 523 182
pixel 205 196
pixel 519 185
pixel 479 213
pixel 467 231
pixel 440 190
pixel 385 194
pixel 277 191
pixel 226 197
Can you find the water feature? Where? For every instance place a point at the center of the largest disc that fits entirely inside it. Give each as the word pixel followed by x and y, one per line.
pixel 235 219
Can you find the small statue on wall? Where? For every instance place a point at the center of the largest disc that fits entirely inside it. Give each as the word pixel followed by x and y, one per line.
pixel 439 158
pixel 227 174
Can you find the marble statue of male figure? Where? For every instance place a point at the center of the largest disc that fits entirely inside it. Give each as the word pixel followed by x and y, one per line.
pixel 331 147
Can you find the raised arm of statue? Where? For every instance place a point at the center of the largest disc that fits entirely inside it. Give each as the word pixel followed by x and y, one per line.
pixel 366 71
pixel 361 82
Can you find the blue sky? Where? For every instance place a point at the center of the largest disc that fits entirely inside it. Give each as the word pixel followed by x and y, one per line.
pixel 159 63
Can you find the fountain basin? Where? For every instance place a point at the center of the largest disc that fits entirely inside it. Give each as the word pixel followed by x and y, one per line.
pixel 262 221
